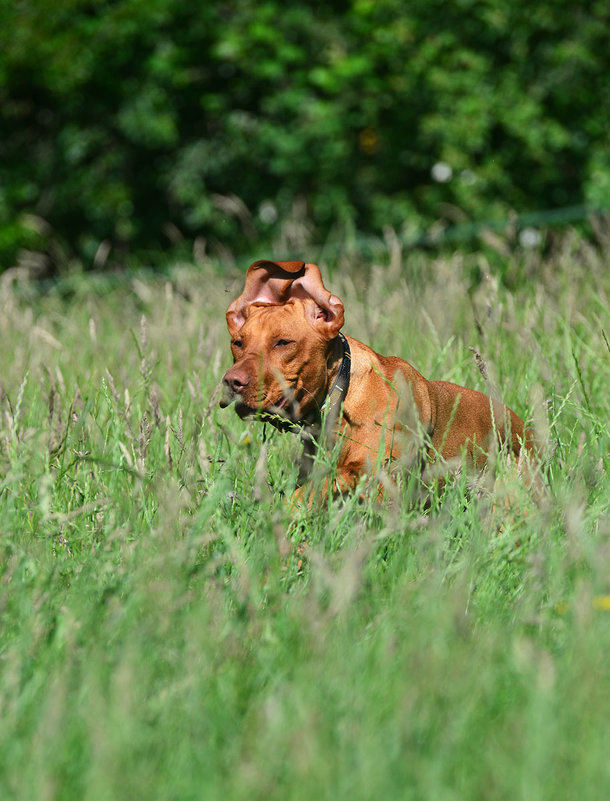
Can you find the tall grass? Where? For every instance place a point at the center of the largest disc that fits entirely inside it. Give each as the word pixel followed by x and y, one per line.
pixel 165 636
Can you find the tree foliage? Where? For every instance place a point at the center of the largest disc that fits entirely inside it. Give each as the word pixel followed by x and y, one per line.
pixel 140 121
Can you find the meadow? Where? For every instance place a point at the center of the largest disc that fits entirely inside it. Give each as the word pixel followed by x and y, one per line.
pixel 163 636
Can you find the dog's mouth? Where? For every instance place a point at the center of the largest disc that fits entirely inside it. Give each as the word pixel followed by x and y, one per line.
pixel 281 409
pixel 282 414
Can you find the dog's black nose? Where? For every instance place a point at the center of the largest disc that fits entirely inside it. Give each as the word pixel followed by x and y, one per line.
pixel 236 379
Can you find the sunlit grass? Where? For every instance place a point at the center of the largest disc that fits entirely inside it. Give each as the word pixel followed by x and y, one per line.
pixel 164 634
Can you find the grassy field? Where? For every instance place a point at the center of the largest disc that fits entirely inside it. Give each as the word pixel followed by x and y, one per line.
pixel 162 639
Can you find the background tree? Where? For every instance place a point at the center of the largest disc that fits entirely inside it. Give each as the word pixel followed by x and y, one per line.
pixel 140 122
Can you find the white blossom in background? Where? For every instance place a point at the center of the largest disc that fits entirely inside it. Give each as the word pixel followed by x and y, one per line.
pixel 530 238
pixel 267 212
pixel 441 172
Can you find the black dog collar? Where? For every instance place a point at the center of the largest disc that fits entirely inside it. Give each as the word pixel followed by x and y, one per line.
pixel 339 389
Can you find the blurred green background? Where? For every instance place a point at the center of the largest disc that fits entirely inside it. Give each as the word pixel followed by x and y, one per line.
pixel 137 128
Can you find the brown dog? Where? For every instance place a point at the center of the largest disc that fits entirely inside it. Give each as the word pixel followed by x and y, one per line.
pixel 292 364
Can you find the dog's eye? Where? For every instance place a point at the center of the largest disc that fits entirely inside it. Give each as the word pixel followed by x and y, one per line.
pixel 281 343
pixel 237 343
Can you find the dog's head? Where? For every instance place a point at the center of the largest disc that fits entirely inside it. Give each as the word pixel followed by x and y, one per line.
pixel 282 330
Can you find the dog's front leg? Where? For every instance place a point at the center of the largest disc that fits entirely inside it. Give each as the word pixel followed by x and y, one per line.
pixel 307 457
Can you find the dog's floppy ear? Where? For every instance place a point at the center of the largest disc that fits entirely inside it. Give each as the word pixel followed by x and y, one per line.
pixel 273 282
